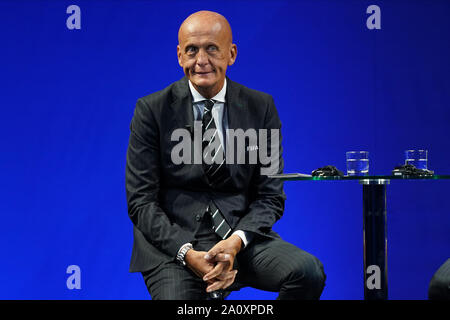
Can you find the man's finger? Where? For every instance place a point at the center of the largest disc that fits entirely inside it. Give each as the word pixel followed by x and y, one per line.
pixel 223 257
pixel 222 284
pixel 211 254
pixel 230 281
pixel 215 286
pixel 217 270
pixel 226 275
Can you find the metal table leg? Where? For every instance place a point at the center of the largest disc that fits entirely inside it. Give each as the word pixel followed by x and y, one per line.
pixel 375 239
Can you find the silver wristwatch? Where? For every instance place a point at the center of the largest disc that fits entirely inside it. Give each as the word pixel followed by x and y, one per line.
pixel 182 253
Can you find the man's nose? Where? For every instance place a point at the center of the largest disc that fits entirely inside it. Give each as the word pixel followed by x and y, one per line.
pixel 202 57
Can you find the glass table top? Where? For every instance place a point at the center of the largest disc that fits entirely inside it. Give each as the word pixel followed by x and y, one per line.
pixel 301 176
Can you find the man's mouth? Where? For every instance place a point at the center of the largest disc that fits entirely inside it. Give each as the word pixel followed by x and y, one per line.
pixel 203 72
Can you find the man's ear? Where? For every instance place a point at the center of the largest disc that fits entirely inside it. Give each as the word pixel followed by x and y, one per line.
pixel 233 54
pixel 179 55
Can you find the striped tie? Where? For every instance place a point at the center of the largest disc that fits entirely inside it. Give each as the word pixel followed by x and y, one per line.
pixel 221 226
pixel 216 171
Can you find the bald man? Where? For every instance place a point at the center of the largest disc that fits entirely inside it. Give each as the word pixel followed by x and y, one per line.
pixel 203 229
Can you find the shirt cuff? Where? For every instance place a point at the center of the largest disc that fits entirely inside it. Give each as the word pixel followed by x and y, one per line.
pixel 246 237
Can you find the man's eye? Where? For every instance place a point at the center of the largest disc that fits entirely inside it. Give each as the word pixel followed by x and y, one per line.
pixel 191 50
pixel 212 48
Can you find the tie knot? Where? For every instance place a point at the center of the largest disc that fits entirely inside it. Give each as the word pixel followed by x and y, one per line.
pixel 209 104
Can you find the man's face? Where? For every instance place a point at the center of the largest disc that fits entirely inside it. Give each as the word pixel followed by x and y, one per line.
pixel 204 52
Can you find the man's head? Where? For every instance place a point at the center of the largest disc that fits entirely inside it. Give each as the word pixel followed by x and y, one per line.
pixel 205 50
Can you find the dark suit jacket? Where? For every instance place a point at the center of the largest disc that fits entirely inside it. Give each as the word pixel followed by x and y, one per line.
pixel 166 201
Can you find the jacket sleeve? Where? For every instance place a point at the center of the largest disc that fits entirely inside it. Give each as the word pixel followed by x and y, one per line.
pixel 268 197
pixel 142 180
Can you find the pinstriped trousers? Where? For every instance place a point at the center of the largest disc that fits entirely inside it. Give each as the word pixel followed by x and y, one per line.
pixel 266 264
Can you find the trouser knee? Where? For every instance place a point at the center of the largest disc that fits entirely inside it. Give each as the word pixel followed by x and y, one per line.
pixel 439 287
pixel 307 278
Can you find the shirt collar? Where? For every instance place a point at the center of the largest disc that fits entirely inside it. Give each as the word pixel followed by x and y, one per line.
pixel 220 96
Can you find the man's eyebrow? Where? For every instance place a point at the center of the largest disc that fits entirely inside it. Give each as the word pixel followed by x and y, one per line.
pixel 190 45
pixel 206 44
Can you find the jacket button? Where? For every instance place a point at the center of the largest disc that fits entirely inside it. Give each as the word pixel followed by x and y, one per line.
pixel 197 217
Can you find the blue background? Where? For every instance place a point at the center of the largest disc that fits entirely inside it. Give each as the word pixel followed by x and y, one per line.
pixel 67 98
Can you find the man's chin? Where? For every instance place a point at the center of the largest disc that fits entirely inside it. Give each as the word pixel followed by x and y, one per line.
pixel 203 82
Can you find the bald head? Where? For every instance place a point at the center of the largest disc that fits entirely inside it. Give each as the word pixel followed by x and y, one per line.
pixel 200 21
pixel 205 50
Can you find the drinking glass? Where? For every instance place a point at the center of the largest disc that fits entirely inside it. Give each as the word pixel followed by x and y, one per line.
pixel 357 163
pixel 418 158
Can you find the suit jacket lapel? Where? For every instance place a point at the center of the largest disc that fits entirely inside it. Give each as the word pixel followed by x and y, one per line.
pixel 235 106
pixel 181 107
pixel 236 112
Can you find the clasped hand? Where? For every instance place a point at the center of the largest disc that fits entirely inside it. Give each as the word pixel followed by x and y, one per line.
pixel 215 267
